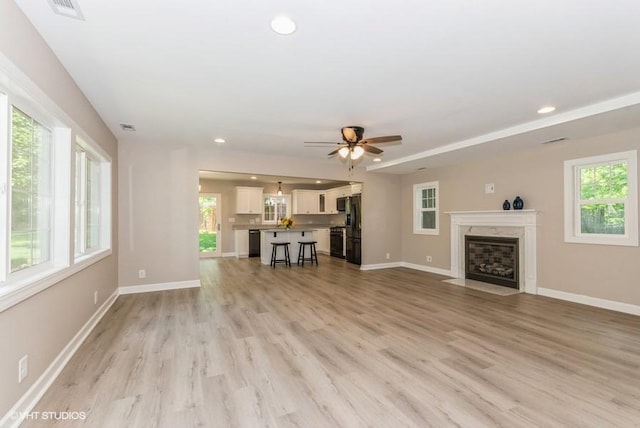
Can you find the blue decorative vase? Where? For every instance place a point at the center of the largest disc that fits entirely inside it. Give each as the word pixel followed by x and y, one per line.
pixel 518 203
pixel 506 205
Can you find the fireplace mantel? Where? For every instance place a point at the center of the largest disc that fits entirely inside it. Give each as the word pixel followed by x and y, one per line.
pixel 523 222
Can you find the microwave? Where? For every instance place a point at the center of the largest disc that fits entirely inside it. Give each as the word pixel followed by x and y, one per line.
pixel 341 204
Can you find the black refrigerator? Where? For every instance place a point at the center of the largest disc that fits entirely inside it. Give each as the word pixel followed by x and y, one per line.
pixel 353 223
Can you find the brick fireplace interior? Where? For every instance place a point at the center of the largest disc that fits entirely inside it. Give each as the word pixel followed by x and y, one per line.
pixel 492 259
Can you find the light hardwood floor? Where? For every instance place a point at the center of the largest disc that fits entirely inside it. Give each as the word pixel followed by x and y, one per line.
pixel 332 346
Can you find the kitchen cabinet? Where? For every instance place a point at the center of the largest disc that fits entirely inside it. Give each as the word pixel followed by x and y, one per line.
pixel 322 206
pixel 356 188
pixel 343 191
pixel 242 243
pixel 322 236
pixel 330 197
pixel 249 200
pixel 305 201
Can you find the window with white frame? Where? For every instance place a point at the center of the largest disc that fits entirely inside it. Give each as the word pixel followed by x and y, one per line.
pixel 36 190
pixel 31 192
pixel 425 208
pixel 275 207
pixel 92 194
pixel 601 199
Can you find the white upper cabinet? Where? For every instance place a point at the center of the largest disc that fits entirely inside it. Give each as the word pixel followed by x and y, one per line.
pixel 356 188
pixel 306 201
pixel 248 200
pixel 330 197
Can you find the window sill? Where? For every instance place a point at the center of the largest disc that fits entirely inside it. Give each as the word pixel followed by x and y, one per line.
pixel 621 241
pixel 13 293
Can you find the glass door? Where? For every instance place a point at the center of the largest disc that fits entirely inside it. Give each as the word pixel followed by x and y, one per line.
pixel 209 230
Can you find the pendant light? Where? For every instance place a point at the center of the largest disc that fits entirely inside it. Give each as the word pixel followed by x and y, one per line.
pixel 279 193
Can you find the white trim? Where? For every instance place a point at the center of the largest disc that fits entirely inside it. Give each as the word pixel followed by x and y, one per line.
pixel 147 288
pixel 524 221
pixel 12 294
pixel 556 119
pixel 572 233
pixel 381 266
pixel 591 301
pixel 229 254
pixel 30 398
pixel 430 269
pixel 423 268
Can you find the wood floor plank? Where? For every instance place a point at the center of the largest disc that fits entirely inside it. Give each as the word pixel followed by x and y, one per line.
pixel 333 346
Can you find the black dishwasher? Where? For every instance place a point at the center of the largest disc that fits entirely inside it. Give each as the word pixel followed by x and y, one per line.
pixel 254 242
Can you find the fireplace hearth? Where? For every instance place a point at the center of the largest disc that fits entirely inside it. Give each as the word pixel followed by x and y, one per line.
pixel 492 259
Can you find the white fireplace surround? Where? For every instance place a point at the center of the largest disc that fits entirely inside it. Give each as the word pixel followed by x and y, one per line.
pixel 517 223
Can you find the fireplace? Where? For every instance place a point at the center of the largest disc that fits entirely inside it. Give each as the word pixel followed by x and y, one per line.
pixel 492 259
pixel 520 224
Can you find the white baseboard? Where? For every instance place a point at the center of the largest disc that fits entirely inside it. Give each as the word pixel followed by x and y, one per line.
pixel 231 254
pixel 381 266
pixel 147 288
pixel 30 398
pixel 429 269
pixel 591 301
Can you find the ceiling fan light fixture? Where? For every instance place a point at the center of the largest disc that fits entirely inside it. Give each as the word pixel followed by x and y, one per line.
pixel 279 193
pixel 344 152
pixel 357 152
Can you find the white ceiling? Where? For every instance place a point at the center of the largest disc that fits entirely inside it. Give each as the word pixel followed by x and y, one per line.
pixel 446 75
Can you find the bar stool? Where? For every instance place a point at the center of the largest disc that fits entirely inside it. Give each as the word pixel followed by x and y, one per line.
pixel 301 252
pixel 274 254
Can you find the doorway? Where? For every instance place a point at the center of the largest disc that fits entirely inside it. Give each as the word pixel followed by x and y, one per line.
pixel 210 234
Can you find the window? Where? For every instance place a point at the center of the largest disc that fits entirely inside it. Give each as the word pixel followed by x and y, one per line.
pixel 275 208
pixel 425 208
pixel 601 199
pixel 92 192
pixel 31 196
pixel 34 192
pixel 38 230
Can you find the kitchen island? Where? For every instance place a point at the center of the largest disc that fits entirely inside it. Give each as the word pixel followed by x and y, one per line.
pixel 292 236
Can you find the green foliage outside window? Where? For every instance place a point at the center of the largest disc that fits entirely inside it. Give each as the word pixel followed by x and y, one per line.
pixel 603 192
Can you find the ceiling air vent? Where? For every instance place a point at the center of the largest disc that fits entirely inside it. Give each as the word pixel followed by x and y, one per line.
pixel 67 8
pixel 127 127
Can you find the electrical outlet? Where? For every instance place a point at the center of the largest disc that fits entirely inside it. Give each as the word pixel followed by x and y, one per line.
pixel 388 256
pixel 429 259
pixel 489 188
pixel 23 368
pixel 142 273
pixel 95 297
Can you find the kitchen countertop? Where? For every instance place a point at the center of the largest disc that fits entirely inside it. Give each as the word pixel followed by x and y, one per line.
pixel 274 228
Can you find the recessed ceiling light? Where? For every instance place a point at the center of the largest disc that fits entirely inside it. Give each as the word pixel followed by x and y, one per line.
pixel 546 109
pixel 219 140
pixel 377 160
pixel 254 177
pixel 318 181
pixel 283 25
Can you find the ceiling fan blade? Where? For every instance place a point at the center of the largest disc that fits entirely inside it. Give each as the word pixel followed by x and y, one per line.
pixel 371 149
pixel 334 152
pixel 320 142
pixel 378 140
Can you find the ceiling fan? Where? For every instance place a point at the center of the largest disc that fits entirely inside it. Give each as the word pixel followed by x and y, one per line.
pixel 354 146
